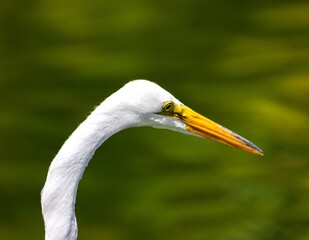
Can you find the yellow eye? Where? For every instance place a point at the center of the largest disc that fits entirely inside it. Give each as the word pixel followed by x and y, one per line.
pixel 168 107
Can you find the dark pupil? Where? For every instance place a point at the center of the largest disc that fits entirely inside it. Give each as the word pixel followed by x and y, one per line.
pixel 168 107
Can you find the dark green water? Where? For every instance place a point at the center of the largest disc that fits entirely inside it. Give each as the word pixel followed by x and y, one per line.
pixel 243 64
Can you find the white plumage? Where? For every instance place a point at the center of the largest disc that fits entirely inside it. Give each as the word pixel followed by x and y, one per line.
pixel 138 103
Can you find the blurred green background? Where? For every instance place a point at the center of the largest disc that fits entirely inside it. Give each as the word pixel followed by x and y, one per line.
pixel 244 64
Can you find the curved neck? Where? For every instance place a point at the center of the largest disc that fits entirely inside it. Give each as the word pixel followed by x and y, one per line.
pixel 59 192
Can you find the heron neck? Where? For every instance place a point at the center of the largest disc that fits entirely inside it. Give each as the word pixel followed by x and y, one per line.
pixel 59 193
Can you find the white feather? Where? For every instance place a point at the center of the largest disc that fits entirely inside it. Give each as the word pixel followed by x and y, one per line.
pixel 136 104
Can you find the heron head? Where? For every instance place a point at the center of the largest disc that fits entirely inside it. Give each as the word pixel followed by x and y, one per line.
pixel 156 107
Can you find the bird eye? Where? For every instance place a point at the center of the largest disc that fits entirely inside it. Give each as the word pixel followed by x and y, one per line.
pixel 168 106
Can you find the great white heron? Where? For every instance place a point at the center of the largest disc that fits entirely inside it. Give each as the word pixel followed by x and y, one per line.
pixel 138 103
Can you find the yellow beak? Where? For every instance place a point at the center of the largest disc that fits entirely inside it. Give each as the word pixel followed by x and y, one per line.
pixel 198 124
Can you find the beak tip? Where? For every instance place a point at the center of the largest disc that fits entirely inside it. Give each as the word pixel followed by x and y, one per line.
pixel 254 149
pixel 251 148
pixel 259 152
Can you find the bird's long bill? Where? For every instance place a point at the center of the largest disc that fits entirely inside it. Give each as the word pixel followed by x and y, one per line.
pixel 198 124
